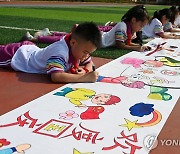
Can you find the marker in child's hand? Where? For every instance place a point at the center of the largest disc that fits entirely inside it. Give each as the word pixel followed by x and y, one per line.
pixel 93 67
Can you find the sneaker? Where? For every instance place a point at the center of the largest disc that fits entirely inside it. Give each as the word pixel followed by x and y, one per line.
pixel 44 32
pixel 109 23
pixel 27 37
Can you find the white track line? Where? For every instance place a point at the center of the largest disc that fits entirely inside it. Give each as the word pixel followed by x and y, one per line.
pixel 17 28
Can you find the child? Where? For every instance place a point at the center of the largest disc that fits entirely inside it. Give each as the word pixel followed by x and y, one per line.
pixel 61 59
pixel 123 32
pixel 169 26
pixel 155 26
pixel 177 20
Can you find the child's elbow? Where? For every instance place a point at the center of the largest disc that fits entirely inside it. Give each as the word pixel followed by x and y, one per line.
pixel 54 78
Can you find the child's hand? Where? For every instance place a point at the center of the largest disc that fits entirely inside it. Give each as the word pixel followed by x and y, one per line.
pixel 91 76
pixel 145 48
pixel 81 71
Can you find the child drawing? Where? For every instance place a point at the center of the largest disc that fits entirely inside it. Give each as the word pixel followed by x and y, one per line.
pixel 155 26
pixel 122 34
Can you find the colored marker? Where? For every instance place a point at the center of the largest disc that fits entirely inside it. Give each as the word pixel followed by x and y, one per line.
pixel 157 49
pixel 172 46
pixel 93 67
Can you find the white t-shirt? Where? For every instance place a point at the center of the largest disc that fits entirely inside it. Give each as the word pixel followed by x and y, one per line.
pixel 168 26
pixel 32 59
pixel 153 29
pixel 118 32
pixel 177 21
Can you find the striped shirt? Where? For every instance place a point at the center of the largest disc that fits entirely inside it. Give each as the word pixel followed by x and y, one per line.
pixel 117 33
pixel 152 29
pixel 56 57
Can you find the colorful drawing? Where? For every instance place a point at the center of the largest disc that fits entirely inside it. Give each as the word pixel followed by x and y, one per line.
pixel 125 81
pixel 159 93
pixel 147 71
pixel 88 118
pixel 147 75
pixel 153 63
pixel 139 76
pixel 135 62
pixel 81 94
pixel 19 149
pixel 75 151
pixel 140 110
pixel 170 72
pixel 159 80
pixel 68 115
pixel 92 112
pixel 168 61
pixel 4 142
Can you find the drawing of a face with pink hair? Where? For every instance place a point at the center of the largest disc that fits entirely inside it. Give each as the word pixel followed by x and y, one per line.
pixel 105 99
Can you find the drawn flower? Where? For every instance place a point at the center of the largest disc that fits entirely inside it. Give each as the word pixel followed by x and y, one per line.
pixel 4 142
pixel 68 115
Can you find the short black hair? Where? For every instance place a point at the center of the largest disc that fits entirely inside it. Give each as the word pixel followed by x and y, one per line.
pixel 139 12
pixel 88 31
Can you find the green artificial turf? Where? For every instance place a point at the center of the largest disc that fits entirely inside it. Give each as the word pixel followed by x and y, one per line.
pixel 60 19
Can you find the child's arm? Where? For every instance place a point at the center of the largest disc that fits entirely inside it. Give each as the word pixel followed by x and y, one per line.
pixel 131 46
pixel 169 36
pixel 175 30
pixel 63 77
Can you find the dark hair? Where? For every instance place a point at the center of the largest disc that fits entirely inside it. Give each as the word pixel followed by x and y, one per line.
pixel 139 12
pixel 174 12
pixel 88 31
pixel 159 14
pixel 178 8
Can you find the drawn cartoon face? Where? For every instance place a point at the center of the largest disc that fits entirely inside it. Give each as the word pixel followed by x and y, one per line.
pixel 101 98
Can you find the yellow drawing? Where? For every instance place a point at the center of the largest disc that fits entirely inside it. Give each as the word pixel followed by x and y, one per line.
pixel 134 124
pixel 75 151
pixel 168 61
pixel 130 124
pixel 77 95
